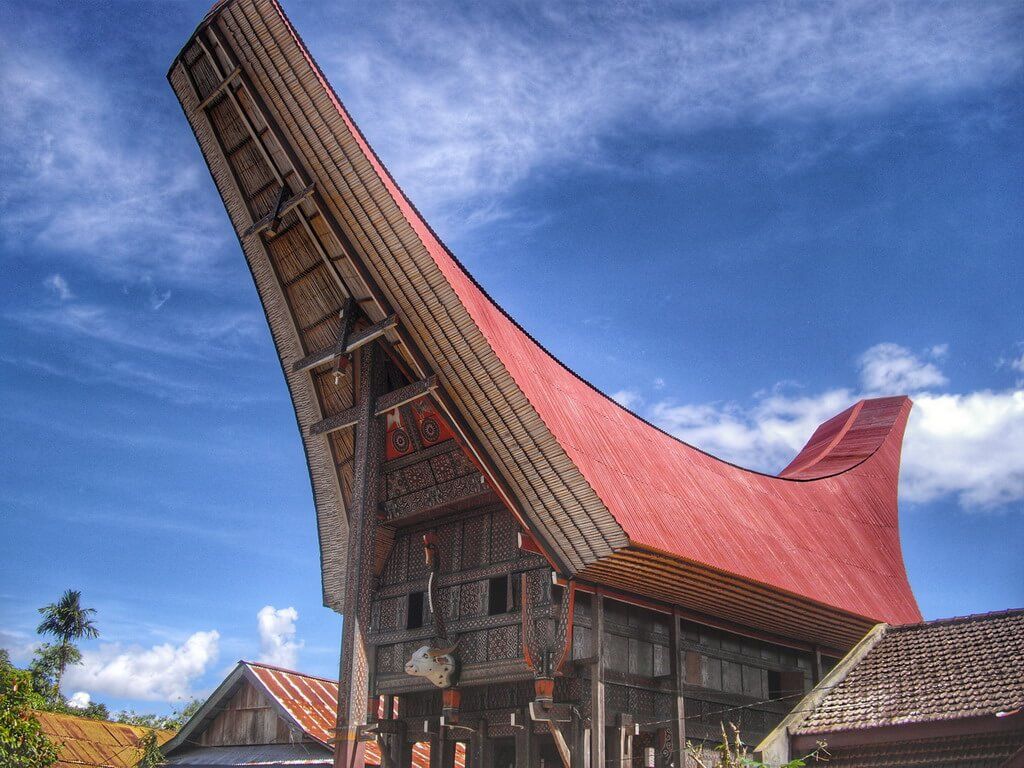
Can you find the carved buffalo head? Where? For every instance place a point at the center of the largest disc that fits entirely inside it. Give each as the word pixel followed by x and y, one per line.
pixel 438 665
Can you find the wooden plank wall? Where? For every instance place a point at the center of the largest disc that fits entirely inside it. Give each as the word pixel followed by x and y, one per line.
pixel 247 719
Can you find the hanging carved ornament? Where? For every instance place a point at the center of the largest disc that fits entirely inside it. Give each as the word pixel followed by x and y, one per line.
pixel 546 641
pixel 439 661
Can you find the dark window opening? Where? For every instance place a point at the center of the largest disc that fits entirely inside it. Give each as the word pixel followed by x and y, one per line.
pixel 785 684
pixel 498 595
pixel 414 613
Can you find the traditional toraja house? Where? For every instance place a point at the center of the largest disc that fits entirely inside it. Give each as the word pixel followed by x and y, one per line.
pixel 267 716
pixel 529 567
pixel 84 742
pixel 939 694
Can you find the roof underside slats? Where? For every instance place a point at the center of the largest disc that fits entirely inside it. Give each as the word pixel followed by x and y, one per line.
pixel 590 479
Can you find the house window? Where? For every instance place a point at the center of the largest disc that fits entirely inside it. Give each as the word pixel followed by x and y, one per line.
pixel 414 612
pixel 785 684
pixel 498 596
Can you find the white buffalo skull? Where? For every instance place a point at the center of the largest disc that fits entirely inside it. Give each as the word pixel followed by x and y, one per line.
pixel 435 664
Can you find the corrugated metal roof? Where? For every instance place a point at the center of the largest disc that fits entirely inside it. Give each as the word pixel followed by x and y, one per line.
pixel 833 537
pixel 590 476
pixel 309 755
pixel 85 742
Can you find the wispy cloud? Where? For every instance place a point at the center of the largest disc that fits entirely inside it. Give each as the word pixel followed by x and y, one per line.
pixel 476 102
pixel 89 174
pixel 59 286
pixel 960 445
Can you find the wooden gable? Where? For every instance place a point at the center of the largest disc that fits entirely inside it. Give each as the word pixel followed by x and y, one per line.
pixel 248 718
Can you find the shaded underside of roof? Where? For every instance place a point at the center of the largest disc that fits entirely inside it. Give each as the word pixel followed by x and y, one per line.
pixel 930 672
pixel 986 750
pixel 85 742
pixel 588 477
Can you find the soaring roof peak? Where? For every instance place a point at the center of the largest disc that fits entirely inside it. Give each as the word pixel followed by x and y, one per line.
pixel 610 498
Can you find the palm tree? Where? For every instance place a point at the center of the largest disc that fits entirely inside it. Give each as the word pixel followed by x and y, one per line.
pixel 67 620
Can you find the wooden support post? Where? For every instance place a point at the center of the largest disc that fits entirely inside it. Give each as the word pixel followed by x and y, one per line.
pixel 405 752
pixel 476 752
pixel 818 667
pixel 397 743
pixel 672 750
pixel 578 734
pixel 524 741
pixel 597 709
pixel 362 531
pixel 623 757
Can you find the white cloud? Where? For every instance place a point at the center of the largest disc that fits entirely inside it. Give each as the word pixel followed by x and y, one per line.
pixel 966 446
pixel 891 369
pixel 80 180
pixel 1017 364
pixel 497 96
pixel 161 673
pixel 59 286
pixel 628 398
pixel 79 700
pixel 278 645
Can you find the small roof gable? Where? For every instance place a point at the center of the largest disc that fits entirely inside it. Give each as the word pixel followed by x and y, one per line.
pixel 307 702
pixel 934 671
pixel 85 742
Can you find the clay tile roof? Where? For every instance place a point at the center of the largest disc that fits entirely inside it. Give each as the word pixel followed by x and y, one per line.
pixel 937 670
pixel 88 743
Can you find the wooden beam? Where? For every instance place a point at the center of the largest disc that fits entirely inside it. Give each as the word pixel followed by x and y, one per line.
pixel 383 404
pixel 220 87
pixel 283 208
pixel 597 708
pixel 347 418
pixel 354 673
pixel 355 341
pixel 672 750
pixel 399 397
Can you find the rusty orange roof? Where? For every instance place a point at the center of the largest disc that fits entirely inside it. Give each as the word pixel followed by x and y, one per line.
pixel 85 742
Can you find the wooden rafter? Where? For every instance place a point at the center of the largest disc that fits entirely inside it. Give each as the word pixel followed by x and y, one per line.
pixel 387 402
pixel 354 342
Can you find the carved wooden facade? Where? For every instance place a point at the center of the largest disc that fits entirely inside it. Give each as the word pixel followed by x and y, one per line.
pixel 604 590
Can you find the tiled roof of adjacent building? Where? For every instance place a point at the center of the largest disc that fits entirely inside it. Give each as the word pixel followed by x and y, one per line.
pixel 932 671
pixel 88 743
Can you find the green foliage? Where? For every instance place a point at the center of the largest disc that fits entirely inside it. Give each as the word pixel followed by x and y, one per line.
pixel 46 668
pixel 733 753
pixel 151 754
pixel 67 620
pixel 171 722
pixel 22 742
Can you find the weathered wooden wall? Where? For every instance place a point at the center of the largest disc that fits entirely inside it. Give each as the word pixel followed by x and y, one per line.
pixel 248 718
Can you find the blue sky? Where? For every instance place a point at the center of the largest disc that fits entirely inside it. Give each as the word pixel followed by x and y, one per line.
pixel 737 219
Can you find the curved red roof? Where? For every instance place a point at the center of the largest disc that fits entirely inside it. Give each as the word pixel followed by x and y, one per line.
pixel 825 530
pixel 832 537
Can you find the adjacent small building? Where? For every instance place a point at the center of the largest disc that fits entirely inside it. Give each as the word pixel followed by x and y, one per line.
pixel 938 694
pixel 85 742
pixel 267 716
